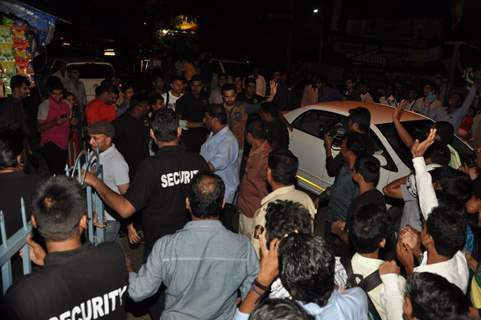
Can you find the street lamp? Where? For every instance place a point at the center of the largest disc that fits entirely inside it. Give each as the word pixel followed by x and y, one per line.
pixel 316 10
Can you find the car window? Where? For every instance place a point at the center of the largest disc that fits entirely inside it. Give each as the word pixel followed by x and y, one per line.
pixel 381 150
pixel 418 130
pixel 314 122
pixel 93 70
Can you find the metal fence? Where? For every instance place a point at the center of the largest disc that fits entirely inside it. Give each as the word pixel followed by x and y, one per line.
pixel 86 161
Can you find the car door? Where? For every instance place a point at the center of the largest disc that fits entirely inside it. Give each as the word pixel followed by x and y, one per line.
pixel 307 144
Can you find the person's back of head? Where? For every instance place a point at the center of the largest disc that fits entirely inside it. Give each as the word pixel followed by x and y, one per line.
pixel 369 168
pixel 270 108
pixel 362 117
pixel 357 144
pixel 257 130
pixel 100 90
pixel 445 132
pixel 368 228
pixel 165 126
pixel 11 148
pixel 282 166
pixel 306 268
pixel 279 309
pixel 447 229
pixel 58 206
pixel 17 81
pixel 206 195
pixel 438 153
pixel 453 187
pixel 217 111
pixel 432 297
pixel 284 217
pixel 140 103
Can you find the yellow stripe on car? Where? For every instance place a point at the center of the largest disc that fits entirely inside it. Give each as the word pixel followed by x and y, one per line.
pixel 312 184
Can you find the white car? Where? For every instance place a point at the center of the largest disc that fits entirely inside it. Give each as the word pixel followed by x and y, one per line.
pixel 307 143
pixel 92 72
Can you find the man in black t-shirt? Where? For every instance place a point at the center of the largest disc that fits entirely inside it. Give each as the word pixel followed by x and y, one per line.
pixel 277 130
pixel 191 107
pixel 160 184
pixel 365 174
pixel 76 281
pixel 132 133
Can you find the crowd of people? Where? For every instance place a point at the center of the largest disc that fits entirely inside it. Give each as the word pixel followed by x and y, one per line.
pixel 201 173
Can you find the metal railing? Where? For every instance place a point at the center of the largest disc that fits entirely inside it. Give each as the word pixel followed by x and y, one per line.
pixel 12 245
pixel 88 161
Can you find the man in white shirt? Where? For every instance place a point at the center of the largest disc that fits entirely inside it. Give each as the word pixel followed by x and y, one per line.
pixel 114 168
pixel 281 176
pixel 177 87
pixel 368 230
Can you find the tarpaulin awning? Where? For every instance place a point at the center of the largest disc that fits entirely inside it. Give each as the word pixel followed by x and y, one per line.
pixel 42 22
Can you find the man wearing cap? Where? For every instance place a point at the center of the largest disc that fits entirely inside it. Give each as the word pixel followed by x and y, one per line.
pixel 114 167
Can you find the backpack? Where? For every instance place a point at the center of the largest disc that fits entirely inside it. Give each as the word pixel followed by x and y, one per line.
pixel 366 283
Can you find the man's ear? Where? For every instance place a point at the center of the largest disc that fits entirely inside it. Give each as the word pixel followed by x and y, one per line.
pixel 34 221
pixel 382 244
pixel 187 204
pixel 83 223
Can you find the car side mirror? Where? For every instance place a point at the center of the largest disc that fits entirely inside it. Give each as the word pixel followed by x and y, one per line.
pixel 381 158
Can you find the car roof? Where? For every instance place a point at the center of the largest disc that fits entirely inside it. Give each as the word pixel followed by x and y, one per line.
pixel 70 60
pixel 379 113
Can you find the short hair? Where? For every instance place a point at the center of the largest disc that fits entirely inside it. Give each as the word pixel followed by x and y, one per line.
pixel 228 87
pixel 445 131
pixel 271 108
pixel 249 80
pixel 362 117
pixel 67 94
pixel 103 88
pixel 54 83
pixel 283 165
pixel 367 227
pixel 433 297
pixel 439 153
pixel 164 125
pixel 284 217
pixel 368 167
pixel 456 187
pixel 58 205
pixel 206 195
pixel 153 98
pixel 196 77
pixel 357 144
pixel 306 268
pixel 257 130
pixel 139 100
pixel 177 78
pixel 126 86
pixel 279 309
pixel 448 230
pixel 11 146
pixel 217 111
pixel 157 75
pixel 17 81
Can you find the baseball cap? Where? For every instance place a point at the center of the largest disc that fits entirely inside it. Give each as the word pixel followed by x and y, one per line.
pixel 102 127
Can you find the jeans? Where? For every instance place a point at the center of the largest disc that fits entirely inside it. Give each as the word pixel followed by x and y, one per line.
pixel 111 231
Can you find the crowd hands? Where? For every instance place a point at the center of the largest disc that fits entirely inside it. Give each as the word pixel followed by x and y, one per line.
pixel 267 253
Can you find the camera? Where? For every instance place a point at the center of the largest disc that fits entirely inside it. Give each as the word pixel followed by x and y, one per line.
pixel 336 130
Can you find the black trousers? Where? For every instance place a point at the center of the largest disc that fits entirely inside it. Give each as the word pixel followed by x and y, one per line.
pixel 55 157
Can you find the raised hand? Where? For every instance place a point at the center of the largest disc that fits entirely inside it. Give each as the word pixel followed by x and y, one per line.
pixel 419 148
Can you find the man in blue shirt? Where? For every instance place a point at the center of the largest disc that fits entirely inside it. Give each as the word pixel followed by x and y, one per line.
pixel 221 150
pixel 202 265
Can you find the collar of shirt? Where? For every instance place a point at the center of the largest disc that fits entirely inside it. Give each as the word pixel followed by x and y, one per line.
pixel 203 224
pixel 219 134
pixel 62 257
pixel 104 154
pixel 366 263
pixel 274 194
pixel 314 309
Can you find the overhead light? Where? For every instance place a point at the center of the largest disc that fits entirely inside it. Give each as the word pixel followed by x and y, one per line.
pixel 65 44
pixel 315 10
pixel 109 53
pixel 145 23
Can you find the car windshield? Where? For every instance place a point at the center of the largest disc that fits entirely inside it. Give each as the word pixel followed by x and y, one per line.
pixel 93 70
pixel 418 130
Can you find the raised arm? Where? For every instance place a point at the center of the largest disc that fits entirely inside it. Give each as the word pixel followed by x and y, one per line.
pixel 404 135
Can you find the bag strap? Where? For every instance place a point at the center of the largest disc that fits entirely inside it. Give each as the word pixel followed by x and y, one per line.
pixel 371 281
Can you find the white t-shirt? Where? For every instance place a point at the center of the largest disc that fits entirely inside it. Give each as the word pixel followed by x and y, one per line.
pixel 171 100
pixel 115 171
